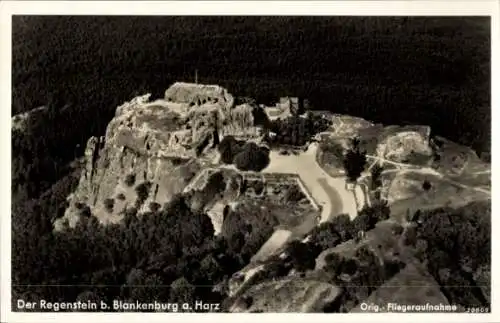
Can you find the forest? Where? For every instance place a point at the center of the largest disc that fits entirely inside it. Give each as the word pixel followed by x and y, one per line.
pixel 83 76
pixel 296 130
pixel 167 255
pixel 393 70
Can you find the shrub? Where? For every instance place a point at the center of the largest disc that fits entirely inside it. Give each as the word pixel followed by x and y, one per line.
pixel 182 291
pixel 121 197
pixel 142 191
pixel 228 148
pixel 258 187
pixel 325 236
pixel 363 222
pixel 296 130
pixel 349 266
pixel 131 212
pixel 215 183
pixel 252 157
pixel 343 225
pixel 426 185
pixel 294 194
pixel 130 180
pixel 354 161
pixel 376 172
pixel 333 262
pixel 85 211
pixel 109 204
pixel 79 205
pixel 154 207
pixel 302 255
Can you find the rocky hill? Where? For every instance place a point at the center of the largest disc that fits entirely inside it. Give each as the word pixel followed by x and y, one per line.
pixel 408 157
pixel 156 147
pixel 155 150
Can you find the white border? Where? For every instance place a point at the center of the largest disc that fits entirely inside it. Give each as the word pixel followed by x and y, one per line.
pixel 358 8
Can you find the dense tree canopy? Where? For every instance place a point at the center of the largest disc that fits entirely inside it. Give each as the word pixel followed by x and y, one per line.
pixel 143 254
pixel 252 157
pixel 296 130
pixel 228 148
pixel 455 243
pixel 354 161
pixel 245 156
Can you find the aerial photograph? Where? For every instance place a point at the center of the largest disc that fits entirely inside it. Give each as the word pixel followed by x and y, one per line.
pixel 251 164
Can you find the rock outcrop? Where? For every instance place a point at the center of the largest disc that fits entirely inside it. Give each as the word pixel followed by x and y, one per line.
pixel 19 121
pixel 290 295
pixel 348 126
pixel 399 144
pixel 156 147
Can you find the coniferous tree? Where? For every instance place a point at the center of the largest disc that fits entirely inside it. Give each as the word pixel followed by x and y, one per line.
pixel 354 161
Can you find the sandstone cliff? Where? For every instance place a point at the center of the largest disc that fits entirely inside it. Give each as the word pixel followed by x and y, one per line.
pixel 157 148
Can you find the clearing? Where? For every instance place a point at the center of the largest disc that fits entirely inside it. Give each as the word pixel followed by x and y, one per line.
pixel 330 192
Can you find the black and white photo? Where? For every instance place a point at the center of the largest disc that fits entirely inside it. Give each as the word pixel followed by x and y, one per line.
pixel 262 163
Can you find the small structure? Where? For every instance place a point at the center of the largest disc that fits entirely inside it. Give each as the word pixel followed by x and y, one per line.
pixel 291 104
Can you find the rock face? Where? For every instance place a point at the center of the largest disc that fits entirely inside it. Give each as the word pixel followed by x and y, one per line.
pixel 400 143
pixel 157 148
pixel 19 121
pixel 348 126
pixel 287 296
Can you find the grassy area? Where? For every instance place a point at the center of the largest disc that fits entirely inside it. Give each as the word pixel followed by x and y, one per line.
pixel 413 285
pixel 442 194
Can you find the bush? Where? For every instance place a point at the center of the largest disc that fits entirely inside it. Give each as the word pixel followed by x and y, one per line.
pixel 349 266
pixel 303 255
pixel 121 197
pixel 109 204
pixel 215 183
pixel 85 211
pixel 376 172
pixel 354 161
pixel 79 205
pixel 296 130
pixel 363 222
pixel 325 236
pixel 426 185
pixel 131 211
pixel 260 224
pixel 343 226
pixel 252 157
pixel 130 180
pixel 154 207
pixel 142 191
pixel 333 263
pixel 258 187
pixel 228 148
pixel 294 194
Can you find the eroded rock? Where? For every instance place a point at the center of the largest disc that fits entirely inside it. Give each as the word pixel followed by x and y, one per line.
pixel 161 143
